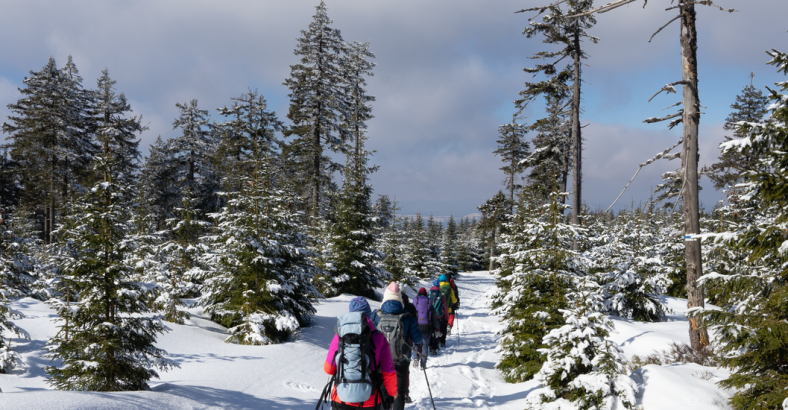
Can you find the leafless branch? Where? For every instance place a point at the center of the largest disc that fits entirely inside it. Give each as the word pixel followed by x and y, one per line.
pixel 709 3
pixel 671 157
pixel 663 27
pixel 607 7
pixel 675 122
pixel 659 119
pixel 667 88
pixel 658 156
pixel 674 105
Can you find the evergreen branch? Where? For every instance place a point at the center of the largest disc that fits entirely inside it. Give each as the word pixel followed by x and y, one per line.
pixel 663 27
pixel 658 156
pixel 607 7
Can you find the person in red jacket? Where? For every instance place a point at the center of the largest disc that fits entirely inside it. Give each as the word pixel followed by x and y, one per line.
pixel 382 361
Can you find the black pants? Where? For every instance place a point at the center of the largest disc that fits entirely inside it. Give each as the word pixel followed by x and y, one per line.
pixel 403 374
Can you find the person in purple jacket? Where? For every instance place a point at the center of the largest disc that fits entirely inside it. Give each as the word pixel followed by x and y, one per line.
pixel 381 361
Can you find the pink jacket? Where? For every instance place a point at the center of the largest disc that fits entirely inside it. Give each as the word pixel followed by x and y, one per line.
pixel 383 358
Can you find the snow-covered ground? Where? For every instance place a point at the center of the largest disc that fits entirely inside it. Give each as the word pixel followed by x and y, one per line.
pixel 214 374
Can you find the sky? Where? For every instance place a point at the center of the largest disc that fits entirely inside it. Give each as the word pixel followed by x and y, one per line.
pixel 447 74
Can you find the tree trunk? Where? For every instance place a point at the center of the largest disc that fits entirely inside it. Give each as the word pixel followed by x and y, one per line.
pixel 316 168
pixel 699 338
pixel 577 139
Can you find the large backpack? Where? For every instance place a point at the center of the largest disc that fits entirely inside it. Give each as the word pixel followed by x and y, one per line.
pixel 437 302
pixel 354 378
pixel 424 310
pixel 446 290
pixel 394 330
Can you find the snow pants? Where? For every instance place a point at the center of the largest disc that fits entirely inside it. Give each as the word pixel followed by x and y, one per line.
pixel 426 341
pixel 403 376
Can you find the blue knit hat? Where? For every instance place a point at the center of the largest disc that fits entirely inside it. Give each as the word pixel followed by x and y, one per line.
pixel 443 278
pixel 359 304
pixel 435 282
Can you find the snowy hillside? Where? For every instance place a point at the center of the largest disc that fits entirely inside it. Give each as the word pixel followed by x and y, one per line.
pixel 214 374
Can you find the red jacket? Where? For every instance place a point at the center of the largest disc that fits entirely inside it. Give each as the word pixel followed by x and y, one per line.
pixel 383 356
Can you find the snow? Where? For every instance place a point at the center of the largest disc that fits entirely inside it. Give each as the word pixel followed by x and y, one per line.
pixel 218 375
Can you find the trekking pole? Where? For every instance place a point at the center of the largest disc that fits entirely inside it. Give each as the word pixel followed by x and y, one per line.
pixel 428 387
pixel 458 327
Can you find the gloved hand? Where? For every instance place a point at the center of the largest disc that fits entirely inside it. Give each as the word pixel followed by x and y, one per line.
pixel 448 330
pixel 438 333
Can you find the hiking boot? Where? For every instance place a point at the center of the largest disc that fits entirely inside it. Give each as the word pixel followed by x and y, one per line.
pixel 415 364
pixel 433 352
pixel 408 399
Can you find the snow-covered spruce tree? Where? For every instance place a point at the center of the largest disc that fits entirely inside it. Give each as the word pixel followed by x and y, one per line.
pixel 750 106
pixel 160 189
pixel 435 266
pixel 260 283
pixel 193 153
pixel 449 247
pixel 495 213
pixel 552 155
pixel 10 261
pixel 354 257
pixel 628 267
pixel 50 133
pixel 537 268
pixel 583 370
pixel 115 132
pixel 751 328
pixel 417 253
pixel 179 260
pixel 391 242
pixel 106 340
pixel 513 149
pixel 317 98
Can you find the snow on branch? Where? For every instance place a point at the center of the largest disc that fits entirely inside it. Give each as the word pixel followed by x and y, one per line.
pixel 541 9
pixel 668 88
pixel 607 7
pixel 659 119
pixel 656 157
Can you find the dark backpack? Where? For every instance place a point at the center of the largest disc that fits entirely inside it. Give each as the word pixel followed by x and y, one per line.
pixel 354 378
pixel 394 330
pixel 437 302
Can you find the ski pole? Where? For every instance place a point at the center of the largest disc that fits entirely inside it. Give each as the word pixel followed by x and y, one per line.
pixel 429 389
pixel 458 328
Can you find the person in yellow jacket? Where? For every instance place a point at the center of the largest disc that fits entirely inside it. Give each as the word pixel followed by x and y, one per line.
pixel 451 300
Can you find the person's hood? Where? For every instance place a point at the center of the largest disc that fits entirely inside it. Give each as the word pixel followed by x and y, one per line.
pixel 392 307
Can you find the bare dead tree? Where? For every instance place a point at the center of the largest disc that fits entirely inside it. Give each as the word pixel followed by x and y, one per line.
pixel 689 116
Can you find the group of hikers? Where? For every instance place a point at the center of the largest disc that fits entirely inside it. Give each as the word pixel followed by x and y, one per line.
pixel 371 354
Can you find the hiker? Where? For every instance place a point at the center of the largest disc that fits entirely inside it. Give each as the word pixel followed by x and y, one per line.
pixel 442 309
pixel 427 318
pixel 380 385
pixel 409 306
pixel 455 306
pixel 451 299
pixel 402 332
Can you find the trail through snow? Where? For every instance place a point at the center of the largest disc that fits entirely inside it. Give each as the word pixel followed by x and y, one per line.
pixel 217 375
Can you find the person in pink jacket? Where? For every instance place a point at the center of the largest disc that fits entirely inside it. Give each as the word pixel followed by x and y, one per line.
pixel 381 361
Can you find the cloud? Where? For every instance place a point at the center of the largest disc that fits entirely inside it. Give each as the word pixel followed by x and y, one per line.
pixel 447 73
